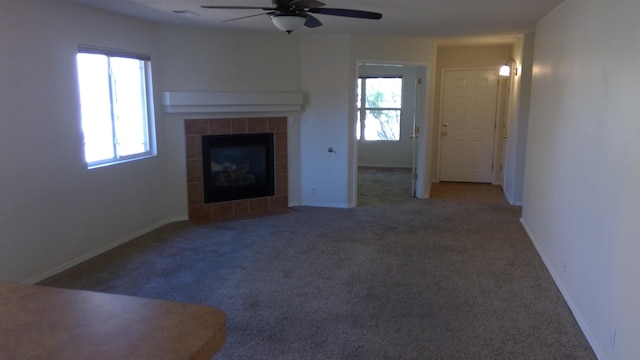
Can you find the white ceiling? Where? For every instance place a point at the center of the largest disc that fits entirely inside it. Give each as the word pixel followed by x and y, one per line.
pixel 488 19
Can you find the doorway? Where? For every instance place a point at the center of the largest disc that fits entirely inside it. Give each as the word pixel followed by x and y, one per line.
pixel 468 125
pixel 388 97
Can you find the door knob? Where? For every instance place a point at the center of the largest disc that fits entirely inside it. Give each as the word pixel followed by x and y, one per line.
pixel 444 133
pixel 445 124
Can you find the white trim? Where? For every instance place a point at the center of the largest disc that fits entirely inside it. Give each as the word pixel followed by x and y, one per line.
pixel 424 120
pixel 91 49
pixel 427 195
pixel 326 205
pixel 178 102
pixel 503 102
pixel 73 262
pixel 565 293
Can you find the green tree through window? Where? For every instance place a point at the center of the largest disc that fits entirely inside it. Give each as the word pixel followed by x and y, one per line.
pixel 379 106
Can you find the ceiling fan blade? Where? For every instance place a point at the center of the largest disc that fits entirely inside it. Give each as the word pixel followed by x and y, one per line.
pixel 306 4
pixel 347 13
pixel 235 7
pixel 312 21
pixel 248 16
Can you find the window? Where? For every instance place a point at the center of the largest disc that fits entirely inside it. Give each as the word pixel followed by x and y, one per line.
pixel 116 106
pixel 379 103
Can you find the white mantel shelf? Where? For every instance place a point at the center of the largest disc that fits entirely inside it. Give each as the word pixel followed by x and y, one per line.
pixel 181 102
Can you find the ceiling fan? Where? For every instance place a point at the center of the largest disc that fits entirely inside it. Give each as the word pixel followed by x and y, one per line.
pixel 289 15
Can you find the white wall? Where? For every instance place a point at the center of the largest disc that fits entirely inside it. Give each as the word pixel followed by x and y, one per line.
pixel 52 209
pixel 519 151
pixel 581 198
pixel 518 117
pixel 200 59
pixel 325 120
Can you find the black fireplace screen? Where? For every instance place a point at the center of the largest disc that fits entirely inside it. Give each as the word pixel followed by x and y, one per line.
pixel 237 166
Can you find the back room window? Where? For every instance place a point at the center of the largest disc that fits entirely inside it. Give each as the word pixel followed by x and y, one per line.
pixel 379 106
pixel 116 106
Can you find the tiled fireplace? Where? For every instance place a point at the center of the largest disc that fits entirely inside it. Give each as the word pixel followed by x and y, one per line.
pixel 195 129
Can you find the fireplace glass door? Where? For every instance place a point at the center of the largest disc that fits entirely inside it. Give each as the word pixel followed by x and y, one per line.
pixel 237 166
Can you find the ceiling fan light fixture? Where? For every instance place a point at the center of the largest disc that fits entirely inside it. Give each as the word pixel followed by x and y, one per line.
pixel 288 23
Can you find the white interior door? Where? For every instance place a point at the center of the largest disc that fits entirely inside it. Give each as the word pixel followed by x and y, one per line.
pixel 467 128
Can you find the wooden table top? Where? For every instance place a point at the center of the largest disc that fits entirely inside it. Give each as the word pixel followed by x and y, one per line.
pixel 38 322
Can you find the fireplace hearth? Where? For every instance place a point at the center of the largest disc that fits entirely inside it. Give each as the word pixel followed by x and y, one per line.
pixel 236 169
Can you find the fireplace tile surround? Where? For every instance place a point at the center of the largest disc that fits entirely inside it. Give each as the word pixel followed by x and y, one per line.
pixel 200 212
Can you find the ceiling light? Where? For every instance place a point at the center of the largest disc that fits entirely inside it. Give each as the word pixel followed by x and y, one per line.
pixel 505 70
pixel 288 23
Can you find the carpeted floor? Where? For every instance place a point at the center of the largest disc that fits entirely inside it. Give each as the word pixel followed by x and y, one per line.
pixel 383 185
pixel 394 278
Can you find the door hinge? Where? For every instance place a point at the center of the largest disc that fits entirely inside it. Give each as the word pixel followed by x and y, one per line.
pixel 414 176
pixel 419 81
pixel 417 130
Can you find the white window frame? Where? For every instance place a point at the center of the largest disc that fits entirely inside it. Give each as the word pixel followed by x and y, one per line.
pixel 362 110
pixel 148 112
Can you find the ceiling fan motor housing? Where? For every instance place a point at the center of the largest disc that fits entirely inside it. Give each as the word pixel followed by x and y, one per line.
pixel 289 15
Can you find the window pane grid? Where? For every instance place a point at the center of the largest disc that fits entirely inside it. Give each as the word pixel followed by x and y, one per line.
pixel 114 107
pixel 379 119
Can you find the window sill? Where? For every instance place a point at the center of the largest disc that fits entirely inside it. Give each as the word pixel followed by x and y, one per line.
pixel 101 165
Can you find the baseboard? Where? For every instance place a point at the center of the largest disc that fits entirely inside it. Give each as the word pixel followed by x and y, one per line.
pixel 565 293
pixel 511 201
pixel 427 194
pixel 327 205
pixel 89 255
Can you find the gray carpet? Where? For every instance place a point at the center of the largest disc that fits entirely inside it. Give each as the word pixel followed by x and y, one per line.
pixel 404 279
pixel 383 185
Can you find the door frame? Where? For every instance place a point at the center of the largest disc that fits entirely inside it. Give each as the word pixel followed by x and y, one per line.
pixel 423 121
pixel 502 126
pixel 496 155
